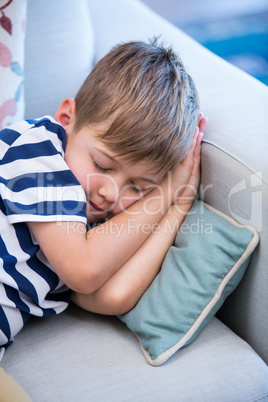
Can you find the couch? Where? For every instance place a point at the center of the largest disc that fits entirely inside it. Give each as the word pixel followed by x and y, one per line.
pixel 79 356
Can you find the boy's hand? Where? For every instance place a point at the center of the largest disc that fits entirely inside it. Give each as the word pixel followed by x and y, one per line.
pixel 187 174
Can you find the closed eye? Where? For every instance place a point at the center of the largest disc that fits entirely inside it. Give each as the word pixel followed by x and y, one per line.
pixel 100 168
pixel 135 188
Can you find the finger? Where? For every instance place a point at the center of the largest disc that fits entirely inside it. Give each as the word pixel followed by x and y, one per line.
pixel 196 133
pixel 202 124
pixel 197 150
pixel 200 116
pixel 193 144
pixel 199 138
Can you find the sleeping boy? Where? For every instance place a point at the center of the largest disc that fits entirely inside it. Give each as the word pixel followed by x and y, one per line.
pixel 122 157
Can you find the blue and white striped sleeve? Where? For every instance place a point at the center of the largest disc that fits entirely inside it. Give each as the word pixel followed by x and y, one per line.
pixel 35 182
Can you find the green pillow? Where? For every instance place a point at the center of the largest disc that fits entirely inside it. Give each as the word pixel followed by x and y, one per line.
pixel 209 258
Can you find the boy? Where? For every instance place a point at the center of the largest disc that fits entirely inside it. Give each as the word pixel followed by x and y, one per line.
pixel 104 159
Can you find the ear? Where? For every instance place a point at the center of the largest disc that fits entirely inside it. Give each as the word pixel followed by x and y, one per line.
pixel 65 114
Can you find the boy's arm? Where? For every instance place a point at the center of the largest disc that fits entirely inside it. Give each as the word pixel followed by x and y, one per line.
pixel 123 290
pixel 85 263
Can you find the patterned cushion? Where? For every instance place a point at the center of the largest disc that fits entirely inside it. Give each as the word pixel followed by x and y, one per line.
pixel 12 34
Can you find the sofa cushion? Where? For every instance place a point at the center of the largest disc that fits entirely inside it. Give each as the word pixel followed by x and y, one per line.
pixel 12 34
pixel 80 356
pixel 208 260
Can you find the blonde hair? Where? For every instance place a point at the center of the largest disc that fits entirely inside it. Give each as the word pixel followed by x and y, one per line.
pixel 151 100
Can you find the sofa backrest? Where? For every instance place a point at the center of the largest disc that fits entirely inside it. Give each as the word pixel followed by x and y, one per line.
pixel 59 50
pixel 59 54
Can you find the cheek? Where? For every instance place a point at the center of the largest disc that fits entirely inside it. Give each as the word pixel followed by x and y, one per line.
pixel 79 172
pixel 125 201
pixel 128 198
pixel 89 181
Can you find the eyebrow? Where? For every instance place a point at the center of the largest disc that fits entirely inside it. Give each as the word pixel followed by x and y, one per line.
pixel 118 163
pixel 149 180
pixel 108 156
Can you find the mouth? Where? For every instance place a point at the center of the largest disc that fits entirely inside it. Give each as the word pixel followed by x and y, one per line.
pixel 95 207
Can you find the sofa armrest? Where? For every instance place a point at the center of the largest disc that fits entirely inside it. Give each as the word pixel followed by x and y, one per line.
pixel 234 157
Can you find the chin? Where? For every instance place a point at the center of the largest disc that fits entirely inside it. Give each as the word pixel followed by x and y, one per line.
pixel 91 218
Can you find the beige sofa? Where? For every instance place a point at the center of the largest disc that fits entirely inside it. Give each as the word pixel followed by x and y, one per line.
pixel 78 356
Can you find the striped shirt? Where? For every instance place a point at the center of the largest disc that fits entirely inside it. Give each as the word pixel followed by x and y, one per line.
pixel 35 185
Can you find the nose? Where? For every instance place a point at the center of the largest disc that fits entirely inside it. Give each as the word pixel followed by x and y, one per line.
pixel 109 190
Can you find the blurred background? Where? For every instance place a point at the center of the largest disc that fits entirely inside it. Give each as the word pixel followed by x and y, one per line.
pixel 236 30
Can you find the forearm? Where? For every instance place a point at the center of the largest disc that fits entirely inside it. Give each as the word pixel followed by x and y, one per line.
pixel 122 235
pixel 123 290
pixel 85 261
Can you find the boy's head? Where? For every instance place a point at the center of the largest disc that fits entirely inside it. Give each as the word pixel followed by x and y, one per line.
pixel 149 100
